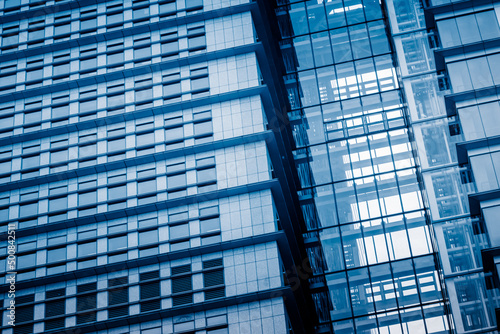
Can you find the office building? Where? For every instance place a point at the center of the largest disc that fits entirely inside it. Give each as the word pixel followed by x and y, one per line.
pixel 229 166
pixel 144 171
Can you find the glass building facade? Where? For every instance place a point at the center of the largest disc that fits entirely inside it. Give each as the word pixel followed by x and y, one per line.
pixel 144 171
pixel 237 166
pixel 374 262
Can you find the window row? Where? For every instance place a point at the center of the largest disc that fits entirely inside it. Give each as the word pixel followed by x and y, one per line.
pixel 343 81
pixel 474 73
pixel 382 288
pixel 138 185
pixel 369 243
pixel 354 158
pixel 119 237
pixel 368 113
pixel 138 93
pixel 469 28
pixel 366 198
pixel 91 62
pixel 126 192
pixel 314 16
pixel 119 294
pixel 99 107
pixel 486 170
pixel 117 147
pixel 480 121
pixel 60 27
pixel 335 46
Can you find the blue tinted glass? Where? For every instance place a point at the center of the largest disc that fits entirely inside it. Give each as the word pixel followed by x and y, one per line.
pixel 298 16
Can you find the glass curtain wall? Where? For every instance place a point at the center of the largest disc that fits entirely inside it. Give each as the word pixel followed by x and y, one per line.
pixel 369 244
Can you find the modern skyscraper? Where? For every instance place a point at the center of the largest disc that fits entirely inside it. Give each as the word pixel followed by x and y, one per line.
pixel 145 170
pixel 464 194
pixel 237 166
pixel 368 238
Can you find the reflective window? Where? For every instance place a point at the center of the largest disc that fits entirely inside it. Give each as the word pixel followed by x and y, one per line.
pixel 89 248
pixel 117 243
pixel 55 255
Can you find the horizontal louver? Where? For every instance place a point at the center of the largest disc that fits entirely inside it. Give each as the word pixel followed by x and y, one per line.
pixel 213 278
pixel 55 308
pixel 149 275
pixel 181 269
pixel 182 284
pixel 86 317
pixel 150 290
pixel 118 312
pixel 53 324
pixel 25 299
pixel 212 294
pixel 27 329
pixel 24 314
pixel 182 300
pixel 212 263
pixel 118 296
pixel 150 305
pixel 55 293
pixel 118 281
pixel 87 302
pixel 86 287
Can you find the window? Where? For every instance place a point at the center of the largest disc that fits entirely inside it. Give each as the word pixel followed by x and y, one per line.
pixel 33 75
pixel 196 43
pixel 180 285
pixel 145 187
pixel 87 198
pixel 30 162
pixel 115 58
pixel 33 117
pixel 170 47
pixel 25 261
pixel 87 151
pixel 118 296
pixel 144 94
pixel 176 181
pixel 167 7
pixel 89 248
pixel 56 255
pixel 86 300
pixel 209 225
pixel 116 145
pixel 60 69
pixel 117 192
pixel 60 111
pixel 59 156
pixel 117 243
pixel 140 13
pixel 114 19
pixel 148 237
pixel 88 64
pixel 203 128
pixel 179 231
pixel 88 24
pixel 206 175
pixel 88 106
pixel 145 139
pixel 58 204
pixel 144 52
pixel 28 210
pixel 174 134
pixel 172 89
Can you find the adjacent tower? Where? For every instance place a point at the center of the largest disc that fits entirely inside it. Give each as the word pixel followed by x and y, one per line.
pixel 145 170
